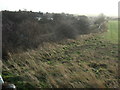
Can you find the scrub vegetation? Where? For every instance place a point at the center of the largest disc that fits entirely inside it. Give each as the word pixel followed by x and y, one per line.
pixel 59 51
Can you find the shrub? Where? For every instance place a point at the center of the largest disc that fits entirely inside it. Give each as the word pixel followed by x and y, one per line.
pixel 82 25
pixel 65 31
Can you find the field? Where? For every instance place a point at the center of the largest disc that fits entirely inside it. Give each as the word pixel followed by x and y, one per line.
pixel 112 33
pixel 91 61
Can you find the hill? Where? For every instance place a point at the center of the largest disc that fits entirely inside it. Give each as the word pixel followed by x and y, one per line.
pixel 89 61
pixel 53 50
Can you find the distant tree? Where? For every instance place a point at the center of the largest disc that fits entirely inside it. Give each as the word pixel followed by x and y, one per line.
pixel 100 19
pixel 100 22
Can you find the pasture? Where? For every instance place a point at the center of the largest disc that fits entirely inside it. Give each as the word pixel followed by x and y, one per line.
pixel 112 34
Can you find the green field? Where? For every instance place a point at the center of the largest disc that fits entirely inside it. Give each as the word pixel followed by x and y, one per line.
pixel 112 33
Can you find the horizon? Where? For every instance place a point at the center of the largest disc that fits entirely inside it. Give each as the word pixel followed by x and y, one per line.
pixel 90 15
pixel 76 7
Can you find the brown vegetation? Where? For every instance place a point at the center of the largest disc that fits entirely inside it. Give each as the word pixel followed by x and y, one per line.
pixel 23 30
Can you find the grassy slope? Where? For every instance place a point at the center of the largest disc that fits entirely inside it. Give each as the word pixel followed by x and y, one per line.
pixel 89 61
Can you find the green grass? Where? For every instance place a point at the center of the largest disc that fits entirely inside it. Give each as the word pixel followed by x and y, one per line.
pixel 112 33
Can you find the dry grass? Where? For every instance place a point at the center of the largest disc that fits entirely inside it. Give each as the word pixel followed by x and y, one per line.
pixel 70 63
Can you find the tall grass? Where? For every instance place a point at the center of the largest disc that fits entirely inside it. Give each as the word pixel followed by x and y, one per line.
pixel 84 63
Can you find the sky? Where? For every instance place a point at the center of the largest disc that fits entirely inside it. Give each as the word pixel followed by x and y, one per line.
pixel 86 7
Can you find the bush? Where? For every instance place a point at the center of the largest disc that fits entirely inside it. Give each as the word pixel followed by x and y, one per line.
pixel 65 31
pixel 23 30
pixel 82 25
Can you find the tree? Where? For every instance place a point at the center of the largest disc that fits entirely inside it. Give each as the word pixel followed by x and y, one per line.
pixel 100 22
pixel 100 19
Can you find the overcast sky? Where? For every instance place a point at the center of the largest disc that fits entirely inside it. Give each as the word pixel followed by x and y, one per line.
pixel 87 7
